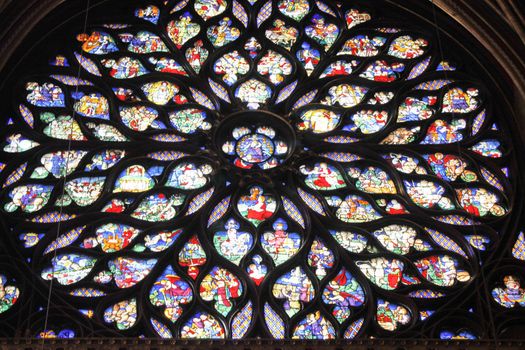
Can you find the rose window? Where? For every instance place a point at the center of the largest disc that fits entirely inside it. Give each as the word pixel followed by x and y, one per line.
pixel 242 168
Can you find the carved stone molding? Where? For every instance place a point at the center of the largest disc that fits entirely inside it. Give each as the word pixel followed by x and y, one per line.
pixel 498 25
pixel 159 344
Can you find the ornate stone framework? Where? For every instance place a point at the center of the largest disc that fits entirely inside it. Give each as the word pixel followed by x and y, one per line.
pixel 497 26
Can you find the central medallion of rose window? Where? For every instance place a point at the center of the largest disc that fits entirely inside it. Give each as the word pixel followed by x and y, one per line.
pixel 255 140
pixel 255 148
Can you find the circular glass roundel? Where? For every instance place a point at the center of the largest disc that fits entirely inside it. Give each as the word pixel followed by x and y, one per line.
pixel 241 168
pixel 254 148
pixel 256 140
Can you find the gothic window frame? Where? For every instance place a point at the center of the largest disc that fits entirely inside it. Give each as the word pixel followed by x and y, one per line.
pixel 461 319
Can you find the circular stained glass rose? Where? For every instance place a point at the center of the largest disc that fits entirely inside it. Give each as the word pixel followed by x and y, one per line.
pixel 230 169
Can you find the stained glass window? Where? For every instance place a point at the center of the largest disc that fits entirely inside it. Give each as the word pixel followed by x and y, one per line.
pixel 249 168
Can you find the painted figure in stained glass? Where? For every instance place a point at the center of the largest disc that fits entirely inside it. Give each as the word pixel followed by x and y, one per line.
pixel 189 176
pixel 340 67
pixel 98 43
pixel 105 159
pixel 232 243
pixel 309 57
pixel 314 326
pixel 125 95
pixel 394 207
pixel 385 273
pixel 8 294
pixel 167 65
pixel 160 92
pixel 255 148
pixel 196 55
pixel 231 66
pixel 440 270
pixel 480 202
pixel 391 316
pixel 202 326
pixel 209 8
pixel 427 194
pixel 405 163
pixel 257 206
pixel 45 95
pixel 355 17
pixel 318 120
pixel 406 47
pixel 323 177
pixel 63 127
pixel 441 131
pixel 114 206
pixel 149 13
pixel 114 237
pixel 171 292
pixel 257 270
pixel 192 256
pixel 449 167
pixel 93 105
pixel 396 238
pixel 252 46
pixel 124 68
pixel 280 244
pixel 295 9
pixel 382 71
pixel 415 109
pixel 351 241
pixel 144 42
pixel 60 163
pixel 158 207
pixel 402 136
pixel 459 101
pixel 324 33
pixel 29 198
pixel 282 35
pixel 372 180
pixel 253 92
pixel 123 314
pixel 189 121
pixel 85 190
pixel 345 95
pixel 353 209
pixel 69 268
pixel 134 179
pixel 182 30
pixel 127 272
pixel 294 287
pixel 362 46
pixel 162 240
pixel 488 148
pixel 510 296
pixel 345 293
pixel 320 257
pixel 223 33
pixel 16 143
pixel 275 66
pixel 367 121
pixel 221 286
